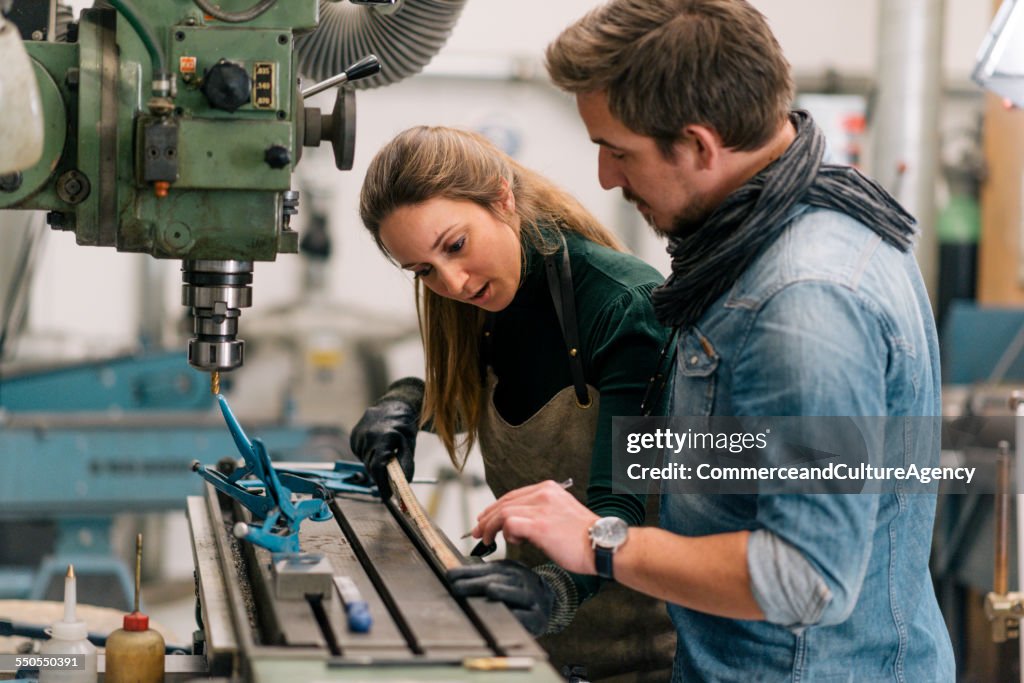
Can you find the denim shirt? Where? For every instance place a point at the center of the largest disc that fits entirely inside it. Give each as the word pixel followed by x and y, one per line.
pixel 832 321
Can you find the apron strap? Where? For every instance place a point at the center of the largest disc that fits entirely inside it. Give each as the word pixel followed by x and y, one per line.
pixel 560 284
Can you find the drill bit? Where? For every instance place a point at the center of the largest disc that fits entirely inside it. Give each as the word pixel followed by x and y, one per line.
pixel 215 382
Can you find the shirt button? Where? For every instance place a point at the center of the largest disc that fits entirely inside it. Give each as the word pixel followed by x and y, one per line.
pixel 694 360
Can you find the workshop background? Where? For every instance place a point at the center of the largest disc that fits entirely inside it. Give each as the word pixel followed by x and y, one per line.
pixel 889 80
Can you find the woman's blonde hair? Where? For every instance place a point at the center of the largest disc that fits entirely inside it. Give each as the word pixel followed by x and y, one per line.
pixel 424 163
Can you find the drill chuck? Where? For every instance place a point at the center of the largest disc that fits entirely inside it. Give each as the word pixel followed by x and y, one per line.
pixel 216 291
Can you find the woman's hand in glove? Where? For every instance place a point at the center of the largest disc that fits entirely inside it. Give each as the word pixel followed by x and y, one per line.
pixel 388 430
pixel 522 590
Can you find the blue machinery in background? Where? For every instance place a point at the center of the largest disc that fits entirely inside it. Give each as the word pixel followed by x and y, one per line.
pixel 81 444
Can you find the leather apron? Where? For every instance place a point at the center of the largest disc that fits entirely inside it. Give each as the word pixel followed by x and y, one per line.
pixel 618 635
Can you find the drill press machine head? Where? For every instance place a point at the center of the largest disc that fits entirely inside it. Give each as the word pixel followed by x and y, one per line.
pixel 173 130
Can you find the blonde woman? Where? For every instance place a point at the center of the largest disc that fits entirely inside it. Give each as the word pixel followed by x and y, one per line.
pixel 537 330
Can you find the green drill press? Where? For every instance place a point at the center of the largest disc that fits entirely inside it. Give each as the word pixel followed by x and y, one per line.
pixel 172 128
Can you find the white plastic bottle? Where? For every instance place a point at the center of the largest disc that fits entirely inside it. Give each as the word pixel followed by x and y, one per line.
pixel 68 638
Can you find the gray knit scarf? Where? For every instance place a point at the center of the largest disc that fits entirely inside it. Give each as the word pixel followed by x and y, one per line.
pixel 707 261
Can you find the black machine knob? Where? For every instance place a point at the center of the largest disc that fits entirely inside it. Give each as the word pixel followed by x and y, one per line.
pixel 367 66
pixel 277 156
pixel 226 85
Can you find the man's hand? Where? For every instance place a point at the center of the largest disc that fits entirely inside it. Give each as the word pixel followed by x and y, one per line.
pixel 547 516
pixel 388 430
pixel 524 592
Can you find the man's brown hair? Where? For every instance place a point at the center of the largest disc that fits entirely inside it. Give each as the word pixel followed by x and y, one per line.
pixel 666 64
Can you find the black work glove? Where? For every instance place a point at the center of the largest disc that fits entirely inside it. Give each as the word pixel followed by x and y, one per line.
pixel 388 430
pixel 521 589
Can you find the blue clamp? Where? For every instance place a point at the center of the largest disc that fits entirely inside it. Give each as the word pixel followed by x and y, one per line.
pixel 345 477
pixel 279 531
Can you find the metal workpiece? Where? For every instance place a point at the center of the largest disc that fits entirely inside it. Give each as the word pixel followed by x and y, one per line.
pixel 257 631
pixel 301 574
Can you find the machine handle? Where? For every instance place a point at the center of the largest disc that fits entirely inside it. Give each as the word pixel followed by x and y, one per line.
pixel 367 66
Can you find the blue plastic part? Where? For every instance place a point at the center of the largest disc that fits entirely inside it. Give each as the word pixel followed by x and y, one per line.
pixel 359 619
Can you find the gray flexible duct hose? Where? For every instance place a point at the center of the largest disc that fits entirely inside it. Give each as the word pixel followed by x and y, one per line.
pixel 405 40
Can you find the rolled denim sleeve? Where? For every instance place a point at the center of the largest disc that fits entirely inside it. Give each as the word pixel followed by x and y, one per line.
pixel 808 560
pixel 815 348
pixel 788 589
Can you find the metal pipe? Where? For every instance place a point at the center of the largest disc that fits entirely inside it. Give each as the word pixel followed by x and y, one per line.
pixel 1018 405
pixel 1000 580
pixel 51 23
pixel 905 120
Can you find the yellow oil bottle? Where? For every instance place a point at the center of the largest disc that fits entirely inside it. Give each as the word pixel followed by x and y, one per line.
pixel 135 653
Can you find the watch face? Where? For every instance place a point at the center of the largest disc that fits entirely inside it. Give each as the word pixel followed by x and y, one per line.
pixel 609 532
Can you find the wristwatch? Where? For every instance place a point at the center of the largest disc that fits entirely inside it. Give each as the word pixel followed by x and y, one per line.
pixel 607 535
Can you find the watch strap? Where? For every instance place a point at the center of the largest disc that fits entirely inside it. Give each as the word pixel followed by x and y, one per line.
pixel 603 562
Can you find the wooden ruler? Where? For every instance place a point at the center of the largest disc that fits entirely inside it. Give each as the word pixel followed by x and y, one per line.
pixel 415 512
